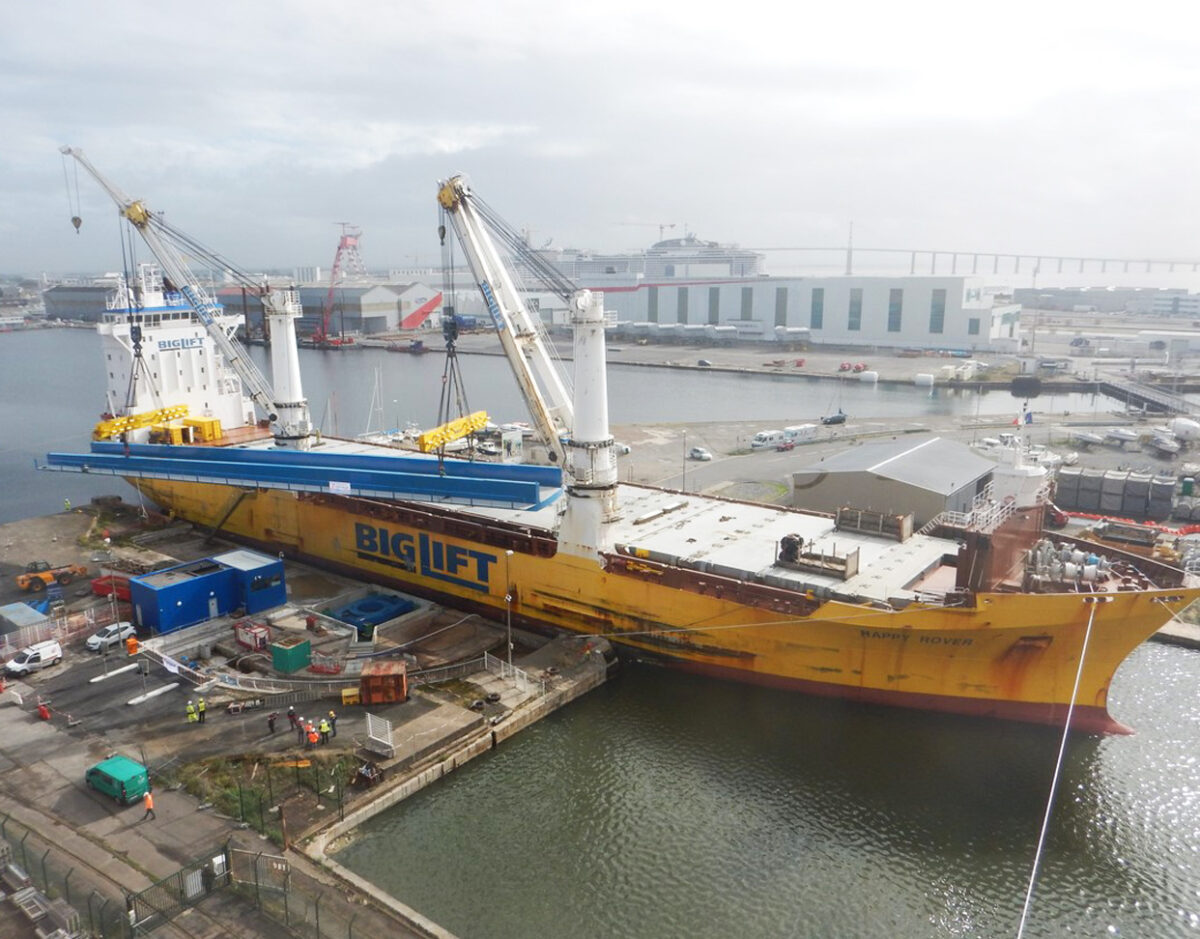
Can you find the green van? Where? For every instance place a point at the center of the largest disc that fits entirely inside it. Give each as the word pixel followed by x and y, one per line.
pixel 124 779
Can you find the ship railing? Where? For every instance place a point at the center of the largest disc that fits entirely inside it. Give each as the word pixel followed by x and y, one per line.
pixel 986 514
pixel 517 676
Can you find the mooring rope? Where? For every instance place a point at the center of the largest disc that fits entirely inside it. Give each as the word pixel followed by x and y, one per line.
pixel 1062 749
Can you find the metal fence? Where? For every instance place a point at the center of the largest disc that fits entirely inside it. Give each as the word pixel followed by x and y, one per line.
pixel 518 676
pixel 100 907
pixel 166 899
pixel 60 626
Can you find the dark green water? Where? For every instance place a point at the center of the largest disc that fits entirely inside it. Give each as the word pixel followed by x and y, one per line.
pixel 667 805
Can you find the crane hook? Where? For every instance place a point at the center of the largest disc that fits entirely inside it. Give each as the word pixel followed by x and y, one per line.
pixel 442 234
pixel 76 221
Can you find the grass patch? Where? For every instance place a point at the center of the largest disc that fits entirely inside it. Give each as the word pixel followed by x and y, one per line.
pixel 249 789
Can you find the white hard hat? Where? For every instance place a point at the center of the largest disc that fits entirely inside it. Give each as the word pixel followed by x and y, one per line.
pixel 189 700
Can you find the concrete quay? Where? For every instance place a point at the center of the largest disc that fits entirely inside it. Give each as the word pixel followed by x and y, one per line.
pixel 108 852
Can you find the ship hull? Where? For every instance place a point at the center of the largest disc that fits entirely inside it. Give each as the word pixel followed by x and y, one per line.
pixel 1008 655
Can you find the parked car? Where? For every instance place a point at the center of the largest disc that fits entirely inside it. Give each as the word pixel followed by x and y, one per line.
pixel 699 453
pixel 121 778
pixel 704 363
pixel 838 418
pixel 845 367
pixel 860 366
pixel 35 657
pixel 786 445
pixel 111 635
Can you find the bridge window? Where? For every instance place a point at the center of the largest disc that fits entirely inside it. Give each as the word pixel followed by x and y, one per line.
pixel 973 326
pixel 854 322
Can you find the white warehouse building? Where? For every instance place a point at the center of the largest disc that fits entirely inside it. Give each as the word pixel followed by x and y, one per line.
pixel 917 312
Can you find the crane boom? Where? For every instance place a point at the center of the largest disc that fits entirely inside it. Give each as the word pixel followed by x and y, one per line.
pixel 576 430
pixel 542 386
pixel 283 406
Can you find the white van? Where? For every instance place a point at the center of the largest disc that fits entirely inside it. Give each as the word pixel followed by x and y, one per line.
pixel 801 433
pixel 766 438
pixel 35 657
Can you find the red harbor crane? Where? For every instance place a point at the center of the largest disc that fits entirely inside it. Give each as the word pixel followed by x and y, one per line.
pixel 346 259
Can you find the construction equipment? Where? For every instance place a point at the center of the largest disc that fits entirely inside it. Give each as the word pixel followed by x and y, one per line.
pixel 346 257
pixel 456 429
pixel 115 426
pixel 284 405
pixel 38 575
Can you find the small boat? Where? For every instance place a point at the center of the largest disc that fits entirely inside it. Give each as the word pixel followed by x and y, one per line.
pixel 1084 439
pixel 1121 436
pixel 1165 444
pixel 416 347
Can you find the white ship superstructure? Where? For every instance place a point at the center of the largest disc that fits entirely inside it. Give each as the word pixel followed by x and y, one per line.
pixel 158 354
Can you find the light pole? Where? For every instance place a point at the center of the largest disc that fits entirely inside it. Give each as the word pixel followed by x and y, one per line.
pixel 508 608
pixel 684 487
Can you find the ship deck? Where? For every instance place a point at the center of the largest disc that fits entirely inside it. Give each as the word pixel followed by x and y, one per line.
pixel 737 539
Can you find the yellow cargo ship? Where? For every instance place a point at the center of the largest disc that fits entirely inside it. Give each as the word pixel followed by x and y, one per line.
pixel 905 630
pixel 983 616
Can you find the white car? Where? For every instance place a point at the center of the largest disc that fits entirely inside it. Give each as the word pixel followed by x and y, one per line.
pixel 109 636
pixel 699 453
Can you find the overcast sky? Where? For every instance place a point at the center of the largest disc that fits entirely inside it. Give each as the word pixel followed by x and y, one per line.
pixel 1050 127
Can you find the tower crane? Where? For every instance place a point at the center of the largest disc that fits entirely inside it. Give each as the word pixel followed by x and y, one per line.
pixel 574 429
pixel 284 405
pixel 346 256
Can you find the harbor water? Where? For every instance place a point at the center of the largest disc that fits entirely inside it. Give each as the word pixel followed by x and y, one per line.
pixel 52 385
pixel 667 805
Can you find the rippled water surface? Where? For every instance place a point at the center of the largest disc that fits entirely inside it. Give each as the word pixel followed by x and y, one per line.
pixel 667 805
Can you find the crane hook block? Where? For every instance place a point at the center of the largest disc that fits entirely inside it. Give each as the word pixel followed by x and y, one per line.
pixel 76 221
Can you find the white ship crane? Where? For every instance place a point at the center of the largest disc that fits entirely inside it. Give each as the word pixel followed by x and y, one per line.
pixel 574 428
pixel 283 405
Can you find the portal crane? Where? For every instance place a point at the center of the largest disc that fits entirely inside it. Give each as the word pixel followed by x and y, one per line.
pixel 580 423
pixel 284 405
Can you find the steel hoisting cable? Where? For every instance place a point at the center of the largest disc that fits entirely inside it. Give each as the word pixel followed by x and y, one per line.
pixel 1062 748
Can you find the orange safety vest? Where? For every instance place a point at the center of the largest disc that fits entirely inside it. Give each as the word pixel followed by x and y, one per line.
pixel 312 736
pixel 149 801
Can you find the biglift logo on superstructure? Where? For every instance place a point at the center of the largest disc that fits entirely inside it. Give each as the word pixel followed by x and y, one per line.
pixel 426 555
pixel 191 342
